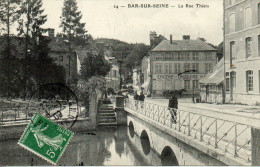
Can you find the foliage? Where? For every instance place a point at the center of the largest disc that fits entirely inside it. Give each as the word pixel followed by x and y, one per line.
pixel 94 65
pixel 70 19
pixel 8 10
pixel 31 18
pixel 45 69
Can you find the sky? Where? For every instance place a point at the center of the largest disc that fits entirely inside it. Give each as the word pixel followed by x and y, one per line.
pixel 134 24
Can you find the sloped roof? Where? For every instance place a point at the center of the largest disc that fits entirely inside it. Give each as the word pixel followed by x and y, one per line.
pixel 216 76
pixel 183 45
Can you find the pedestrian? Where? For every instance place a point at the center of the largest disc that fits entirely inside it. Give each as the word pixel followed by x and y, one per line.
pixel 141 99
pixel 173 106
pixel 136 98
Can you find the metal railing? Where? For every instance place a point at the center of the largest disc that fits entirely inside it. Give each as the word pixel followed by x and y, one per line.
pixel 22 111
pixel 228 136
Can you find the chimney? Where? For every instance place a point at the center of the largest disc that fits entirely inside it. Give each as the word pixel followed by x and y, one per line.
pixel 152 36
pixel 51 32
pixel 171 38
pixel 186 37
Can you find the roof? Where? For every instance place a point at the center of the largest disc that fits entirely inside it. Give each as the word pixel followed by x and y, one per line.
pixel 183 45
pixel 58 44
pixel 216 76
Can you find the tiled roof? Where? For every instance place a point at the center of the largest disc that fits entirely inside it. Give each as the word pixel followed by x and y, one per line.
pixel 183 45
pixel 216 76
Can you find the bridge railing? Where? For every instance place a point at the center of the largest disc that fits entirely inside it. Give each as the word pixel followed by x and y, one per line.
pixel 228 136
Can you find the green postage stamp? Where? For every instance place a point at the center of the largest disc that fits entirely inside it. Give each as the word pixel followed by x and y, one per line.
pixel 45 138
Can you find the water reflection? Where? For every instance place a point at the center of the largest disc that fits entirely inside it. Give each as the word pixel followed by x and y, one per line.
pixel 110 146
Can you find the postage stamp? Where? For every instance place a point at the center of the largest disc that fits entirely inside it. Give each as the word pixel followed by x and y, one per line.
pixel 45 138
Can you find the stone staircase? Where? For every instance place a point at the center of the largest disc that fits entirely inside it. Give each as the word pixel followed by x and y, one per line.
pixel 106 116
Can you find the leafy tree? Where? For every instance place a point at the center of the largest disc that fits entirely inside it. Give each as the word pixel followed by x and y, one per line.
pixel 94 65
pixel 134 59
pixel 71 19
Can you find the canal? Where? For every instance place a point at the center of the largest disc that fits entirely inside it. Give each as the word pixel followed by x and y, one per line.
pixel 105 146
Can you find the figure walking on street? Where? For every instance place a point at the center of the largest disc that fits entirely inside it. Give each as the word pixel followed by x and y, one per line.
pixel 136 98
pixel 141 98
pixel 173 106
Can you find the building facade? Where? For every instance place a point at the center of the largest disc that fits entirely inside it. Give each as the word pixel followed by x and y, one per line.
pixel 242 51
pixel 180 64
pixel 64 57
pixel 113 76
pixel 145 72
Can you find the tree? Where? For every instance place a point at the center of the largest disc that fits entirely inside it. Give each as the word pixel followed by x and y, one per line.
pixel 31 19
pixel 8 9
pixel 30 23
pixel 70 19
pixel 94 65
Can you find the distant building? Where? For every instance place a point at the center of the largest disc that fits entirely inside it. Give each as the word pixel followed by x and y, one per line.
pixel 136 77
pixel 180 64
pixel 242 51
pixel 145 76
pixel 113 76
pixel 64 56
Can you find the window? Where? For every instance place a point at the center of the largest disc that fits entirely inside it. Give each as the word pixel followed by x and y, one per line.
pixel 158 68
pixel 195 67
pixel 248 17
pixel 186 67
pixel 174 56
pixel 187 56
pixel 232 22
pixel 227 82
pixel 249 81
pixel 232 53
pixel 177 68
pixel 258 45
pixel 181 56
pixel 195 84
pixel 168 68
pixel 208 67
pixel 186 84
pixel 61 58
pixel 208 56
pixel 259 13
pixel 195 56
pixel 167 56
pixel 56 58
pixel 114 73
pixel 248 47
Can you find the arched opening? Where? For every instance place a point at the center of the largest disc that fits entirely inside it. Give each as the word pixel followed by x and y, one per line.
pixel 145 142
pixel 168 157
pixel 131 129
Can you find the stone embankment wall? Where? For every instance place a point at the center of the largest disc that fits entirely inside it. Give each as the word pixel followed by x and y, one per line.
pixel 14 130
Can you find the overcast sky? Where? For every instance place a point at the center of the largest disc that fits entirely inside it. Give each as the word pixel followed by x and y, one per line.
pixel 134 25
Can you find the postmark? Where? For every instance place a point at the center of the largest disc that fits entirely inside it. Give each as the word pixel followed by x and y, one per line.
pixel 56 102
pixel 46 139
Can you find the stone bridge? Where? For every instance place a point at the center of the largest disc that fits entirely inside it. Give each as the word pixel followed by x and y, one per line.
pixel 159 148
pixel 192 139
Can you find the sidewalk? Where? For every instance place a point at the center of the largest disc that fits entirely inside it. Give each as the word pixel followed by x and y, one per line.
pixel 249 115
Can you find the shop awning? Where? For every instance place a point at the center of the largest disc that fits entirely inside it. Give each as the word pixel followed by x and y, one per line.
pixel 216 76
